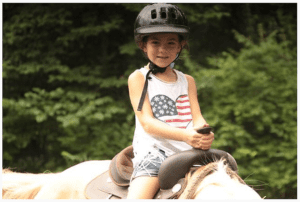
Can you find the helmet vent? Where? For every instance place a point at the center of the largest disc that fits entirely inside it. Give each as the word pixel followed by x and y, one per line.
pixel 163 13
pixel 153 14
pixel 173 14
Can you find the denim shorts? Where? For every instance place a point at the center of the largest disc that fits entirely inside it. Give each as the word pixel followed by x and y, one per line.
pixel 149 166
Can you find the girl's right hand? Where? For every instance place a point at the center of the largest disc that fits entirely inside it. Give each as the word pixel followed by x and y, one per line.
pixel 199 141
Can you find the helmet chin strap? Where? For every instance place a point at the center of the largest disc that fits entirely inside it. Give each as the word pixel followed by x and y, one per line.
pixel 153 68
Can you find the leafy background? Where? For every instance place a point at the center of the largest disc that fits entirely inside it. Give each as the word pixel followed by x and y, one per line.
pixel 65 95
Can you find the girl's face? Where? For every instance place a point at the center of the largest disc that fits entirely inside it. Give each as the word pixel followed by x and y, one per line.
pixel 162 48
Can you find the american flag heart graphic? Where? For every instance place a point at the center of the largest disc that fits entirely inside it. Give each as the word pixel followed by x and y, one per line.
pixel 177 114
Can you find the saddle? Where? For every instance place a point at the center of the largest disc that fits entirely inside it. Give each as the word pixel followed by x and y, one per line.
pixel 114 183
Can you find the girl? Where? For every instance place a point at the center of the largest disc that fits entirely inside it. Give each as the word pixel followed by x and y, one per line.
pixel 164 99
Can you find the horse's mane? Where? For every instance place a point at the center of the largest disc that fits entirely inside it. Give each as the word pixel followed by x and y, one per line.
pixel 196 176
pixel 21 185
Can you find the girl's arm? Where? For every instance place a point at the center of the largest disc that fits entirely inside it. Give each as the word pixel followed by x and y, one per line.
pixel 198 120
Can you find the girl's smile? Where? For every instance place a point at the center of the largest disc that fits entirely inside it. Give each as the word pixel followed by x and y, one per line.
pixel 162 58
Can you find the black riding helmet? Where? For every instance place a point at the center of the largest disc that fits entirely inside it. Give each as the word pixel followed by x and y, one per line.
pixel 158 18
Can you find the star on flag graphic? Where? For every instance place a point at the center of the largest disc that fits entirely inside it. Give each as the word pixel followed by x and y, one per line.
pixel 177 114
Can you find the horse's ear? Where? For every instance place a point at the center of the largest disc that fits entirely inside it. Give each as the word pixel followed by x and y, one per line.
pixel 176 166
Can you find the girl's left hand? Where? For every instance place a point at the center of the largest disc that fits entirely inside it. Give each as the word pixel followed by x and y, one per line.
pixel 206 140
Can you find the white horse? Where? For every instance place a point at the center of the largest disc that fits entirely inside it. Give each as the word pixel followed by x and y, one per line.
pixel 71 183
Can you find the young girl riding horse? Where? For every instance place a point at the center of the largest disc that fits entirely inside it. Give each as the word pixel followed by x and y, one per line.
pixel 164 99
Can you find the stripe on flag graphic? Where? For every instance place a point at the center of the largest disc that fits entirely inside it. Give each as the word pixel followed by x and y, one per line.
pixel 177 114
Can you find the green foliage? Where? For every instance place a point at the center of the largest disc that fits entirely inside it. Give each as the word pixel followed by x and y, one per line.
pixel 65 95
pixel 57 87
pixel 252 103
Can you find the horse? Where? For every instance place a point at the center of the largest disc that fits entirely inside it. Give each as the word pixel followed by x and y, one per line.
pixel 215 180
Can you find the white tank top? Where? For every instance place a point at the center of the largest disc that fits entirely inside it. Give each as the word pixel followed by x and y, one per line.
pixel 170 104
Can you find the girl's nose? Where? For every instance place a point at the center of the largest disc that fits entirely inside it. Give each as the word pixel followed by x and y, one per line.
pixel 162 48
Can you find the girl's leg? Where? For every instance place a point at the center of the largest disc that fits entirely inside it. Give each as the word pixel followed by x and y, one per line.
pixel 144 187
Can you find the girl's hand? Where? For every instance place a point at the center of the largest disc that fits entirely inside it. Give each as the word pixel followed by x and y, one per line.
pixel 199 141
